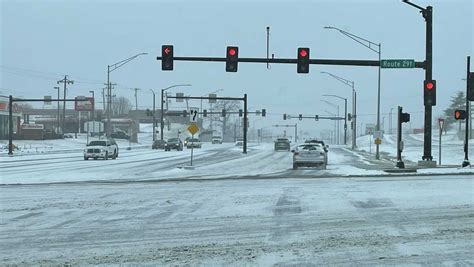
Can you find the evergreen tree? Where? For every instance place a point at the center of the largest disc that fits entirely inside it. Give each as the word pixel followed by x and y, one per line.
pixel 458 101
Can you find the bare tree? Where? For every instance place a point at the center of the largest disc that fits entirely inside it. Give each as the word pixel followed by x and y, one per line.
pixel 121 106
pixel 227 105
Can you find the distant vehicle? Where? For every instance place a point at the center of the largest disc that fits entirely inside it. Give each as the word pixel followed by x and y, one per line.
pixel 68 136
pixel 239 142
pixel 282 144
pixel 186 141
pixel 194 143
pixel 309 155
pixel 216 140
pixel 105 149
pixel 315 141
pixel 174 143
pixel 158 144
pixel 120 135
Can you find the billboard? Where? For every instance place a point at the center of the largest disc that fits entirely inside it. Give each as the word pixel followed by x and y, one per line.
pixel 84 103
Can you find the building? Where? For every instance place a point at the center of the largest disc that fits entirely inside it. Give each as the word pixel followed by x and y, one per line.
pixel 4 113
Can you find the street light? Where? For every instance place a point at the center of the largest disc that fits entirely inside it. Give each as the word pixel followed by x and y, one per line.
pixel 354 105
pixel 345 115
pixel 336 122
pixel 370 46
pixel 154 122
pixel 161 115
pixel 111 68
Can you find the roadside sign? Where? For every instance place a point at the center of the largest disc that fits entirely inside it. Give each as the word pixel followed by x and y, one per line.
pixel 378 141
pixel 83 103
pixel 179 97
pixel 441 123
pixel 397 63
pixel 212 98
pixel 193 115
pixel 378 134
pixel 193 128
pixel 47 100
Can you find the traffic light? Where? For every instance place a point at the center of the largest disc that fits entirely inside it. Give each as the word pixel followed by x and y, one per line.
pixel 300 117
pixel 316 118
pixel 232 59
pixel 349 116
pixel 460 114
pixel 264 112
pixel 223 113
pixel 167 57
pixel 204 113
pixel 241 113
pixel 404 117
pixel 303 60
pixel 470 91
pixel 430 92
pixel 284 117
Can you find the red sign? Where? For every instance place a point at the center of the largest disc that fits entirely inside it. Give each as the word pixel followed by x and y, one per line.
pixel 84 104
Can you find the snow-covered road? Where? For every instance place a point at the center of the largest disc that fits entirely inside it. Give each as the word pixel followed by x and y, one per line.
pixel 309 222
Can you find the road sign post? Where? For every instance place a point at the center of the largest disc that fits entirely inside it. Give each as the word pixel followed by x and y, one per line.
pixel 193 129
pixel 441 126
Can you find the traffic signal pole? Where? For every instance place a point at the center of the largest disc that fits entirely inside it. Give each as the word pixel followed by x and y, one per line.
pixel 466 137
pixel 245 124
pixel 428 15
pixel 428 66
pixel 400 164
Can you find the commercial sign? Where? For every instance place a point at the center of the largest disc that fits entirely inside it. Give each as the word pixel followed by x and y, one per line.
pixel 31 126
pixel 84 103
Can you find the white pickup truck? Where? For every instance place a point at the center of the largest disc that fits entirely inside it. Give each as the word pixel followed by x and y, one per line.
pixel 104 149
pixel 216 140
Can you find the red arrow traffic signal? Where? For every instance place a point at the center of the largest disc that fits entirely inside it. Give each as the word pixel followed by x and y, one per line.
pixel 167 57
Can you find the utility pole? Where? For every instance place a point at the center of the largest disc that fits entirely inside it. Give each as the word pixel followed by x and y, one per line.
pixel 103 99
pixel 58 122
pixel 136 98
pixel 65 81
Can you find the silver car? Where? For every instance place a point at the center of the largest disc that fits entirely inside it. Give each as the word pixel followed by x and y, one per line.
pixel 309 155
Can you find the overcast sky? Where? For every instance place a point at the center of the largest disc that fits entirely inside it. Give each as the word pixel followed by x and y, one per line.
pixel 43 40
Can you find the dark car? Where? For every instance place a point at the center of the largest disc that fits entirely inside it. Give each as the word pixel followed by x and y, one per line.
pixel 120 135
pixel 174 143
pixel 159 144
pixel 282 144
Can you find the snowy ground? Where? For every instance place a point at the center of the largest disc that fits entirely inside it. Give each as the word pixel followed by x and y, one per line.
pixel 452 149
pixel 415 221
pixel 148 207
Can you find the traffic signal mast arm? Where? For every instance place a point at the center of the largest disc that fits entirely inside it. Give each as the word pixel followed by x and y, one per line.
pixel 343 62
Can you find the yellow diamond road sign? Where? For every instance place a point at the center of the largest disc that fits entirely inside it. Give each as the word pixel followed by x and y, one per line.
pixel 378 141
pixel 193 128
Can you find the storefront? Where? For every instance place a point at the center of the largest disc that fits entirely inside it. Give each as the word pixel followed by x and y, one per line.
pixel 4 118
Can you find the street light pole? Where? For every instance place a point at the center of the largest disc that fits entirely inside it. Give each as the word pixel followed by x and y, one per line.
pixel 162 111
pixel 154 121
pixel 354 106
pixel 369 45
pixel 111 68
pixel 345 115
pixel 336 122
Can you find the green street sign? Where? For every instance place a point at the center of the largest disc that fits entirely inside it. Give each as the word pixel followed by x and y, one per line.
pixel 397 63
